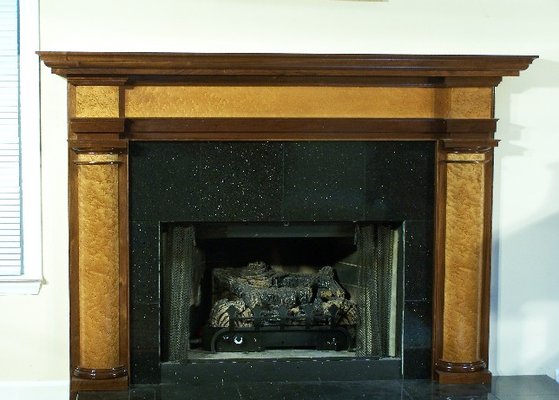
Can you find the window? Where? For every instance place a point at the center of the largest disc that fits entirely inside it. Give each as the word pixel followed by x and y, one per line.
pixel 20 227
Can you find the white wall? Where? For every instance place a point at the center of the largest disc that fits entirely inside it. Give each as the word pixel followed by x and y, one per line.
pixel 34 329
pixel 525 302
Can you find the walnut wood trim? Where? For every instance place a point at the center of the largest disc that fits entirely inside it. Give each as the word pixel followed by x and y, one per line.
pixel 452 70
pixel 334 81
pixel 309 125
pixel 97 125
pixel 79 384
pixel 97 162
pixel 477 366
pixel 98 146
pixel 98 81
pixel 477 130
pixel 479 377
pixel 469 145
pixel 289 80
pixel 100 374
pixel 74 275
pixel 485 309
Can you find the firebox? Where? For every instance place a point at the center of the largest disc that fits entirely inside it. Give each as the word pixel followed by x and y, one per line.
pixel 259 253
pixel 327 287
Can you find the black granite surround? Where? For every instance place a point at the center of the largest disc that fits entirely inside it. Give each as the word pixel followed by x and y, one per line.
pixel 502 388
pixel 280 182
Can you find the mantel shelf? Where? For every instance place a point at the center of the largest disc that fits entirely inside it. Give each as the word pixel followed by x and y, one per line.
pixel 281 69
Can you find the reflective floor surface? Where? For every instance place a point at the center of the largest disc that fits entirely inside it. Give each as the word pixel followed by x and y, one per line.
pixel 502 388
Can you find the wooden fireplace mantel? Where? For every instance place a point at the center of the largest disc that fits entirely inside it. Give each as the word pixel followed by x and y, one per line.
pixel 292 69
pixel 115 98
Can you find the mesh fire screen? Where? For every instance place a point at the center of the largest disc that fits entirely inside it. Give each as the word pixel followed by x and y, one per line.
pixel 377 291
pixel 182 266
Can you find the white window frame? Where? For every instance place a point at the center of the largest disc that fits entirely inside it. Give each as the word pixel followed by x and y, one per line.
pixel 30 281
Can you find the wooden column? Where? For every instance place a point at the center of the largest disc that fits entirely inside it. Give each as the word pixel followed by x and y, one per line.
pixel 463 262
pixel 99 242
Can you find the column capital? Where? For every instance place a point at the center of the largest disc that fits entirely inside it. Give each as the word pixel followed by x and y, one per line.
pixel 474 145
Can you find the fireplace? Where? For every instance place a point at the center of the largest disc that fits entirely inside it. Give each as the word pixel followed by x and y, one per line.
pixel 239 165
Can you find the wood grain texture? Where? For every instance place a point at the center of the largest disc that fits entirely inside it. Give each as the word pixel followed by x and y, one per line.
pixel 464 258
pixel 470 103
pixel 464 103
pixel 306 102
pixel 279 102
pixel 480 377
pixel 286 128
pixel 97 101
pixel 313 69
pixel 97 183
pixel 466 157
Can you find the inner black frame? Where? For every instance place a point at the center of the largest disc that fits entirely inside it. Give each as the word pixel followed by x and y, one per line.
pixel 305 181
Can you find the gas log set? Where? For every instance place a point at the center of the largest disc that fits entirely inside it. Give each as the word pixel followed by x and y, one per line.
pixel 259 307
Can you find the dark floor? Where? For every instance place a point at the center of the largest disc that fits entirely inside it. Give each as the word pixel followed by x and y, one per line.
pixel 502 388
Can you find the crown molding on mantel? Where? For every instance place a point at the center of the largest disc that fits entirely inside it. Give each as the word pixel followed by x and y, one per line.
pixel 286 69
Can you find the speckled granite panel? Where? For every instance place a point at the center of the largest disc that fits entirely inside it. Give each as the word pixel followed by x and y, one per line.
pixel 418 330
pixel 240 181
pixel 144 262
pixel 399 181
pixel 272 181
pixel 324 181
pixel 165 183
pixel 98 264
pixel 502 388
pixel 418 260
pixel 144 302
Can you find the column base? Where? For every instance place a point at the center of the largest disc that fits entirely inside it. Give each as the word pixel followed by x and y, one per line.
pixel 98 373
pixel 79 384
pixel 478 377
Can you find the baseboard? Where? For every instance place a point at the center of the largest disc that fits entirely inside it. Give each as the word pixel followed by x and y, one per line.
pixel 29 390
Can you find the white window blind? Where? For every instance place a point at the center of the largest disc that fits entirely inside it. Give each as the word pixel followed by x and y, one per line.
pixel 20 154
pixel 10 177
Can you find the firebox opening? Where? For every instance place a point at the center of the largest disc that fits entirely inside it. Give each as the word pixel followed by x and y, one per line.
pixel 280 290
